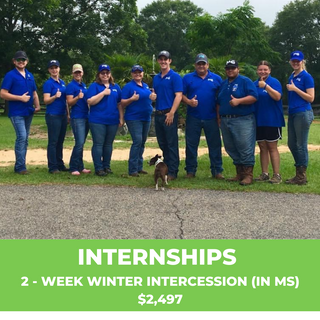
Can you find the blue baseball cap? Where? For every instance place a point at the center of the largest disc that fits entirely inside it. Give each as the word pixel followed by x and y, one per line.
pixel 296 55
pixel 53 63
pixel 137 67
pixel 104 67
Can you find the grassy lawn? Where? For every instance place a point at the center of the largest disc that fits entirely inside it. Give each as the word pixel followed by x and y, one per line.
pixel 40 175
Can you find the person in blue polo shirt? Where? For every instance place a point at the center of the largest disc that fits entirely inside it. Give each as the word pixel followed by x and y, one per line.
pixel 200 90
pixel 236 99
pixel 106 114
pixel 301 94
pixel 270 120
pixel 77 101
pixel 19 88
pixel 168 87
pixel 136 100
pixel 54 96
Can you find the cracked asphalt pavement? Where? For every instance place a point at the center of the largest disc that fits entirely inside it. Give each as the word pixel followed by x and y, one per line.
pixel 95 212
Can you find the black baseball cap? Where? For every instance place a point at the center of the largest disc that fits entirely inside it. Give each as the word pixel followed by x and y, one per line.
pixel 231 64
pixel 20 55
pixel 201 57
pixel 164 53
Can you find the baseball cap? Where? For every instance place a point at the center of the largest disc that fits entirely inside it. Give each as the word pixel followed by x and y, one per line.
pixel 296 55
pixel 77 67
pixel 53 63
pixel 104 67
pixel 201 57
pixel 164 53
pixel 20 55
pixel 136 67
pixel 232 64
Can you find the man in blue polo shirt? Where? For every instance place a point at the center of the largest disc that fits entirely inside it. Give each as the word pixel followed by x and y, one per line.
pixel 200 89
pixel 19 88
pixel 168 87
pixel 236 100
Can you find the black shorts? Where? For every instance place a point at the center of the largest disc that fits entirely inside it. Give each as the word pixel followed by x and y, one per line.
pixel 269 134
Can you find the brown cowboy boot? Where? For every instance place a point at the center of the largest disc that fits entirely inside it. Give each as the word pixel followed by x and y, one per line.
pixel 238 177
pixel 301 176
pixel 292 180
pixel 247 176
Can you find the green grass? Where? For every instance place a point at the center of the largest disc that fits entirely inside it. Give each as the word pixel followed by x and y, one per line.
pixel 40 175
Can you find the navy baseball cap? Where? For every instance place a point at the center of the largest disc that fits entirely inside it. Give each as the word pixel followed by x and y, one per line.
pixel 137 67
pixel 296 55
pixel 201 57
pixel 104 67
pixel 53 63
pixel 231 64
pixel 164 53
pixel 20 55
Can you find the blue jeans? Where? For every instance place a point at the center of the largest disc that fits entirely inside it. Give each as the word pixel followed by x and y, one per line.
pixel 102 136
pixel 212 134
pixel 239 138
pixel 167 137
pixel 80 128
pixel 298 132
pixel 139 133
pixel 57 128
pixel 22 127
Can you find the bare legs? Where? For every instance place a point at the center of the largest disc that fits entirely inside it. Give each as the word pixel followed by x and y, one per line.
pixel 269 150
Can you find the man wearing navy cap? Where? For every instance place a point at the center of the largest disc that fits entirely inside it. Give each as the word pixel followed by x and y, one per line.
pixel 236 100
pixel 168 87
pixel 19 88
pixel 200 90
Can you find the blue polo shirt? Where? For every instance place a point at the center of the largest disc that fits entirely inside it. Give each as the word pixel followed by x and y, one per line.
pixel 206 91
pixel 303 81
pixel 80 109
pixel 166 88
pixel 106 111
pixel 269 113
pixel 16 84
pixel 140 109
pixel 240 87
pixel 58 106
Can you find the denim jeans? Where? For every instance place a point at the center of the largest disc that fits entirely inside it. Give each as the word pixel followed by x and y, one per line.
pixel 57 128
pixel 167 137
pixel 22 127
pixel 80 129
pixel 239 138
pixel 139 133
pixel 102 136
pixel 298 132
pixel 212 134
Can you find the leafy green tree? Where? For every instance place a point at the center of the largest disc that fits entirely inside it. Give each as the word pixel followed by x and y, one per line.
pixel 166 23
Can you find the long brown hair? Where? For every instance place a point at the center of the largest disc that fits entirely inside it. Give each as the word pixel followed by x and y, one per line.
pixel 98 80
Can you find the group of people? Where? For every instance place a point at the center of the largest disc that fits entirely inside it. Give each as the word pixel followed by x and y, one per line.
pixel 244 110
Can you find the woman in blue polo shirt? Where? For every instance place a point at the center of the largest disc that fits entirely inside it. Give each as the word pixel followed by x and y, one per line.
pixel 77 101
pixel 269 120
pixel 19 88
pixel 54 96
pixel 106 114
pixel 136 100
pixel 300 94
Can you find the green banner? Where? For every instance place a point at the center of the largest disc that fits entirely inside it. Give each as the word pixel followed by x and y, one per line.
pixel 159 275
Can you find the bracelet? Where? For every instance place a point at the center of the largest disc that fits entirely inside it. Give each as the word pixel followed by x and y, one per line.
pixel 265 86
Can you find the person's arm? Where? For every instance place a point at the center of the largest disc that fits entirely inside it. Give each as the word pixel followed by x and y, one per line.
pixel 36 102
pixel 175 105
pixel 13 97
pixel 47 99
pixel 308 95
pixel 126 102
pixel 274 94
pixel 71 100
pixel 98 97
pixel 121 114
pixel 190 102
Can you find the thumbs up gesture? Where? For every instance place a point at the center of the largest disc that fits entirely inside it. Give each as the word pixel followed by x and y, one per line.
pixel 291 86
pixel 58 94
pixel 153 95
pixel 25 97
pixel 135 96
pixel 194 101
pixel 234 102
pixel 80 95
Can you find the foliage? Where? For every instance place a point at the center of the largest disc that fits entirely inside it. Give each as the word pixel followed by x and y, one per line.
pixel 166 23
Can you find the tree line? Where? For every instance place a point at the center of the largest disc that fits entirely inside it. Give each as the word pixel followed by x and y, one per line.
pixel 92 32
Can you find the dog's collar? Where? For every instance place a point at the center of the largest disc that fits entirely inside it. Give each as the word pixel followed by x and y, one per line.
pixel 158 161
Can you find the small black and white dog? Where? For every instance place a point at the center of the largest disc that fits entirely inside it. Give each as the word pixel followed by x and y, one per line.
pixel 160 172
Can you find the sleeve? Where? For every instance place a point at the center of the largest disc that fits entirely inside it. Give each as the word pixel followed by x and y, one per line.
pixel 251 89
pixel 185 85
pixel 92 91
pixel 69 90
pixel 276 85
pixel 177 83
pixel 47 87
pixel 309 82
pixel 119 93
pixel 7 82
pixel 126 92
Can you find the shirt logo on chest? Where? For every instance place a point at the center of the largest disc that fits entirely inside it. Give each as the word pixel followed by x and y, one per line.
pixel 235 87
pixel 167 78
